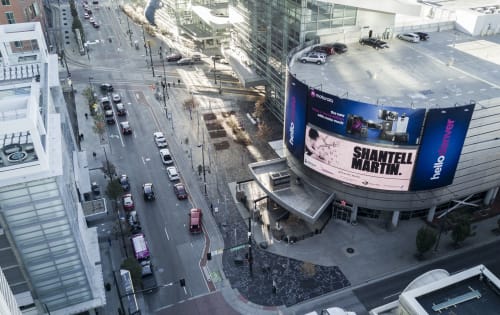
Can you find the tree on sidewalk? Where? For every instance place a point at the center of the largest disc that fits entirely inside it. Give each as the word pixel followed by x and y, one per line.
pixel 99 125
pixel 460 231
pixel 426 238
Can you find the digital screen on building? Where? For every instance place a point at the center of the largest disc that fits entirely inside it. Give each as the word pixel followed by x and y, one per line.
pixel 365 122
pixel 377 167
pixel 442 140
pixel 295 116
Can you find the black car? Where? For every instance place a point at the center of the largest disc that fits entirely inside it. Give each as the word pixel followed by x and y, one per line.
pixel 339 48
pixel 326 49
pixel 173 57
pixel 373 42
pixel 149 193
pixel 106 87
pixel 423 36
pixel 124 182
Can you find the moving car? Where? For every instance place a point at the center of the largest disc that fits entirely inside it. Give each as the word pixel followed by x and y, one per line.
pixel 185 61
pixel 339 48
pixel 159 139
pixel 116 98
pixel 409 37
pixel 106 87
pixel 125 128
pixel 173 57
pixel 423 36
pixel 195 220
pixel 166 158
pixel 123 180
pixel 128 202
pixel 172 173
pixel 314 57
pixel 148 191
pixel 180 191
pixel 109 116
pixel 120 109
pixel 373 42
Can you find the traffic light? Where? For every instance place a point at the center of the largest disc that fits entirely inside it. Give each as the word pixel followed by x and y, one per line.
pixel 209 256
pixel 182 282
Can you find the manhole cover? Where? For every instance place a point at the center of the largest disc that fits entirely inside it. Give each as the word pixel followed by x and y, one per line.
pixel 350 250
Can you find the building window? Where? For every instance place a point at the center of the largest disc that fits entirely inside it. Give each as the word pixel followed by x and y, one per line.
pixel 18 44
pixel 10 17
pixel 5 2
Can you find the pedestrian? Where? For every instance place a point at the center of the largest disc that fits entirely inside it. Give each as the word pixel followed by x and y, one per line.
pixel 86 116
pixel 94 154
pixel 109 242
pixel 179 81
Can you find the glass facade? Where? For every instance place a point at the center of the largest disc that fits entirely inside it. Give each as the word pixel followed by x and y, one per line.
pixel 267 33
pixel 41 230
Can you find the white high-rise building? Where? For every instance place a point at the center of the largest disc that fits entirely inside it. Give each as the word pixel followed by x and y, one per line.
pixel 49 257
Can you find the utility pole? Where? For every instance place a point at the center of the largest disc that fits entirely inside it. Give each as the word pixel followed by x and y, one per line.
pixel 164 81
pixel 250 257
pixel 215 76
pixel 144 38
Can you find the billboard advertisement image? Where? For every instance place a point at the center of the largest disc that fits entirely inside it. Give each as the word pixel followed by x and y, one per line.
pixel 295 116
pixel 365 122
pixel 377 167
pixel 442 140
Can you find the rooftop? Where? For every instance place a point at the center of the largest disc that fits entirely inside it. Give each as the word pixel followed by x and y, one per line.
pixel 450 68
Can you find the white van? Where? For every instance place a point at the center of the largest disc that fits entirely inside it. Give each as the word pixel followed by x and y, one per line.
pixel 196 57
pixel 166 158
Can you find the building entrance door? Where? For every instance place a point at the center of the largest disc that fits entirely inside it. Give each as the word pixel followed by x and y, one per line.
pixel 342 213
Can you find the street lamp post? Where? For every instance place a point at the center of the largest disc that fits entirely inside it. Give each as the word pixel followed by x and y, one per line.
pixel 215 76
pixel 129 32
pixel 202 146
pixel 151 58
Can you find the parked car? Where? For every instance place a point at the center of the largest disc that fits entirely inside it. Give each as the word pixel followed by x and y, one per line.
pixel 125 128
pixel 96 24
pixel 195 216
pixel 120 109
pixel 159 139
pixel 173 57
pixel 373 42
pixel 180 191
pixel 86 16
pixel 116 98
pixel 339 48
pixel 409 37
pixel 123 180
pixel 109 116
pixel 223 62
pixel 148 191
pixel 128 202
pixel 314 57
pixel 196 57
pixel 166 158
pixel 105 103
pixel 423 36
pixel 172 173
pixel 91 19
pixel 185 61
pixel 326 49
pixel 106 87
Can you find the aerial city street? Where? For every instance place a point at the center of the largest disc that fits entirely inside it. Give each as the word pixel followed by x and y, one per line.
pixel 249 157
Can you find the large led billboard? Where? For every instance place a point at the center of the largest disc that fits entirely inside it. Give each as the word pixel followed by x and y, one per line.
pixel 365 122
pixel 295 116
pixel 377 167
pixel 441 146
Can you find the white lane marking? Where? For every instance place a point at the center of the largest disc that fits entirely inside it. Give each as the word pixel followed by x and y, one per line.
pixel 166 233
pixel 185 291
pixel 143 160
